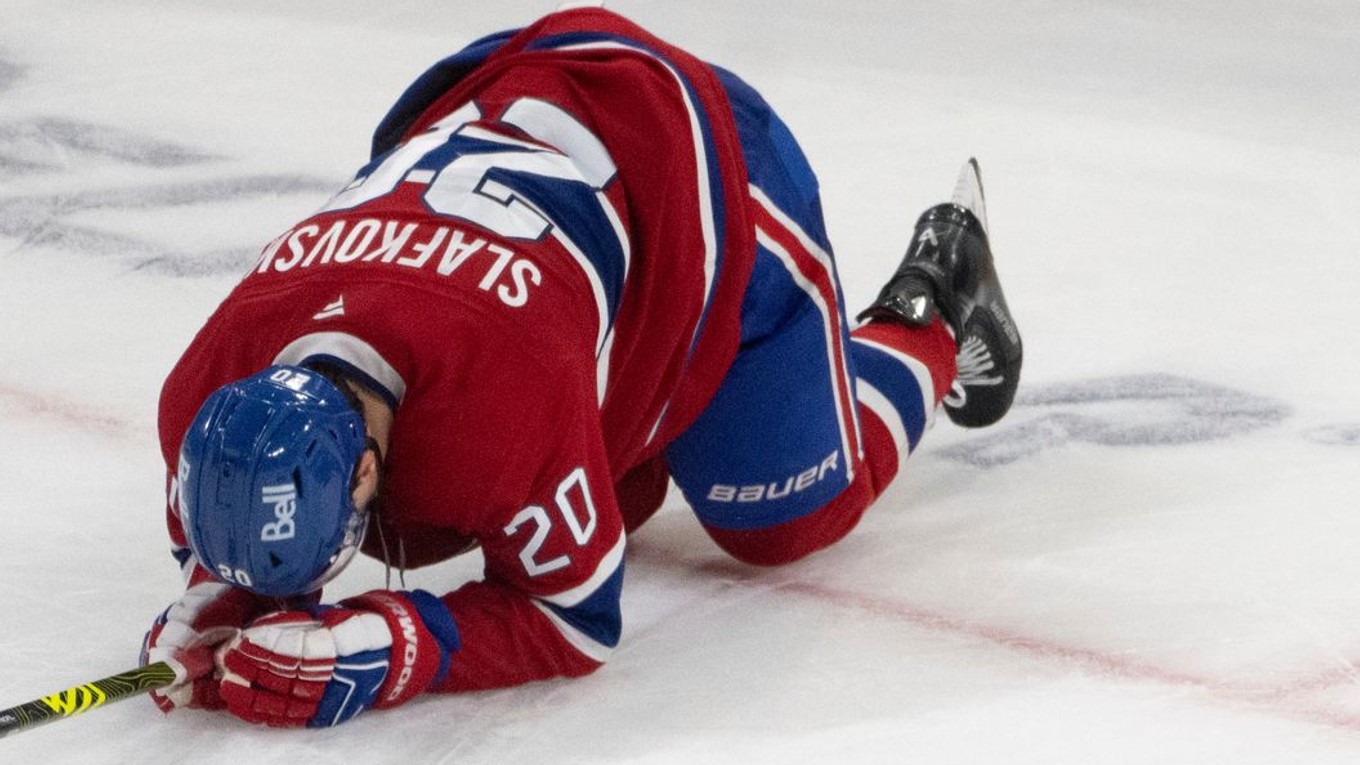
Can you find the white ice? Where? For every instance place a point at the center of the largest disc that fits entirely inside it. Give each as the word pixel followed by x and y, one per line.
pixel 1154 559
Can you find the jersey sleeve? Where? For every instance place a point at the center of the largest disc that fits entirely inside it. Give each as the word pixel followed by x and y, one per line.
pixel 179 543
pixel 502 442
pixel 175 410
pixel 496 438
pixel 548 605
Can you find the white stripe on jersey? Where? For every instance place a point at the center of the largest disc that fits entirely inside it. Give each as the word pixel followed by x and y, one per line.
pixel 828 331
pixel 608 566
pixel 573 597
pixel 827 263
pixel 575 637
pixel 706 222
pixel 881 406
pixel 602 367
pixel 347 348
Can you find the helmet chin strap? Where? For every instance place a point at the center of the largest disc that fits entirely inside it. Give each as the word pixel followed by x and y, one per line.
pixel 373 507
pixel 387 559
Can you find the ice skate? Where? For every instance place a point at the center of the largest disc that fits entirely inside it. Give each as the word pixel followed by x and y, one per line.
pixel 948 271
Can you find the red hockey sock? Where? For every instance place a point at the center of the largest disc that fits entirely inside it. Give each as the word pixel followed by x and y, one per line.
pixel 933 346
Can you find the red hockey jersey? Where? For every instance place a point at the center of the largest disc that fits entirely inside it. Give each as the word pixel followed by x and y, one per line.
pixel 541 268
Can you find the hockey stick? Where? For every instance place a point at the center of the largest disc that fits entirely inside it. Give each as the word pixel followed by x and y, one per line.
pixel 87 696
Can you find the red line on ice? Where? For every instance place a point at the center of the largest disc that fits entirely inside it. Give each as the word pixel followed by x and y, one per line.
pixel 1273 699
pixel 63 412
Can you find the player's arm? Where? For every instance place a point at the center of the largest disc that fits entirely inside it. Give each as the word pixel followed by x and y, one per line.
pixel 553 612
pixel 292 662
pixel 548 607
pixel 550 532
pixel 530 478
pixel 549 603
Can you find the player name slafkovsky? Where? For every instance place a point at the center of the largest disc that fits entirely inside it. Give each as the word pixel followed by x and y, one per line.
pixel 404 244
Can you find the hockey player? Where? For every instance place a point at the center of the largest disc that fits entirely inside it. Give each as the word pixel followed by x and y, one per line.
pixel 579 263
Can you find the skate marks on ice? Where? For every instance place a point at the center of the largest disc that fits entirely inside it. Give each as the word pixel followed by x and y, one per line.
pixel 153 176
pixel 1132 410
pixel 10 72
pixel 48 144
pixel 44 145
pixel 1335 435
pixel 47 220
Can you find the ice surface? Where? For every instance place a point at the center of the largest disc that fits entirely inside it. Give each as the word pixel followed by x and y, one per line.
pixel 1152 560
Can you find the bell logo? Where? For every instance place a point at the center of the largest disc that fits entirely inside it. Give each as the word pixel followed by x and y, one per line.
pixel 283 498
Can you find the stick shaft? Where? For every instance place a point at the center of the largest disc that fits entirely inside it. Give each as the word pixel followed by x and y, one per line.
pixel 85 697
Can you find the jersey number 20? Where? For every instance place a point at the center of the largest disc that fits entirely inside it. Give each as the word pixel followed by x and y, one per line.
pixel 574 507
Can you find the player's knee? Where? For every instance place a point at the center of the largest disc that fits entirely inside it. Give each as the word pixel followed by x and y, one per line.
pixel 760 548
pixel 794 540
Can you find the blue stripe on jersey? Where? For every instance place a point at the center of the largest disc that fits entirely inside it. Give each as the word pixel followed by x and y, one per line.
pixel 575 209
pixel 715 186
pixel 598 617
pixel 572 206
pixel 428 87
pixel 457 145
pixel 897 383
pixel 774 162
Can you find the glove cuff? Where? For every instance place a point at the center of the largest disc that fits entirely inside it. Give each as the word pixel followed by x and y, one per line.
pixel 424 637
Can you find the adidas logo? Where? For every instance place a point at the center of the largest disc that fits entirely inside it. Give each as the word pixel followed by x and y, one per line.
pixel 336 308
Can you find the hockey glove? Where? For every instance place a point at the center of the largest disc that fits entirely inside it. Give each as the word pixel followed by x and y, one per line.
pixel 294 668
pixel 186 634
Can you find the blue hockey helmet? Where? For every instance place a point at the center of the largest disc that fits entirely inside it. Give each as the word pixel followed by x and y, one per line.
pixel 265 471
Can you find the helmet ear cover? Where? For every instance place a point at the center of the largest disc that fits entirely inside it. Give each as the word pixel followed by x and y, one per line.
pixel 265 472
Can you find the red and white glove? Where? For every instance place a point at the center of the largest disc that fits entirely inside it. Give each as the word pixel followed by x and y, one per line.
pixel 186 634
pixel 318 669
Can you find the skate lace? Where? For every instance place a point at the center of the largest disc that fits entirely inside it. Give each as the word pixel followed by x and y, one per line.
pixel 974 361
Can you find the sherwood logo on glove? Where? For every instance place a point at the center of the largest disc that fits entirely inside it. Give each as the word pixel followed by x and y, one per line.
pixel 410 637
pixel 284 499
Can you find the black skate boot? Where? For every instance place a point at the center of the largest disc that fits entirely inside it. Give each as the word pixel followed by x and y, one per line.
pixel 948 271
